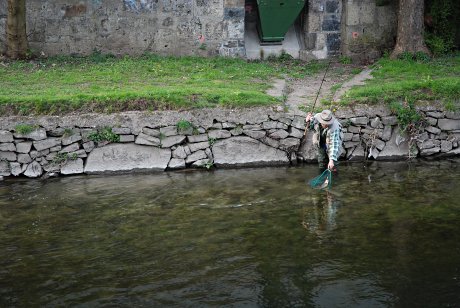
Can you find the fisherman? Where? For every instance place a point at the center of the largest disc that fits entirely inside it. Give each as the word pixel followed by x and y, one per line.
pixel 327 138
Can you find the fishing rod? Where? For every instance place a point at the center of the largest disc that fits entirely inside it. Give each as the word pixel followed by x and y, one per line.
pixel 317 94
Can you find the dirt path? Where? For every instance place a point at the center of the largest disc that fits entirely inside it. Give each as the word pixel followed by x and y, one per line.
pixel 300 94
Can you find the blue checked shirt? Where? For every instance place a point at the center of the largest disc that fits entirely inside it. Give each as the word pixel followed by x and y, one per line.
pixel 333 138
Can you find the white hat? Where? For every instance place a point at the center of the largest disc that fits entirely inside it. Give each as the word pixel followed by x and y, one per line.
pixel 325 117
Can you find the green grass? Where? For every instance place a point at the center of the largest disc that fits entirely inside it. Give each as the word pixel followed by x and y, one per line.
pixel 436 80
pixel 107 84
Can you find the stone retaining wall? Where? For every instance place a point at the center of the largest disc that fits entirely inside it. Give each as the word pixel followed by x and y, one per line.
pixel 208 138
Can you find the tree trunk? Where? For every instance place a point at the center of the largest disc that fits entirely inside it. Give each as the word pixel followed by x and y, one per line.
pixel 16 37
pixel 410 28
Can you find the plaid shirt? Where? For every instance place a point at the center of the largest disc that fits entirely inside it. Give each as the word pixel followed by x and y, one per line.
pixel 333 138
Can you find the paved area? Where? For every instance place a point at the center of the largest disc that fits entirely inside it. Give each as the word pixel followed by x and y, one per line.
pixel 254 50
pixel 300 94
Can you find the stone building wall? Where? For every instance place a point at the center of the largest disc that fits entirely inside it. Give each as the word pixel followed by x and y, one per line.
pixel 356 28
pixel 322 29
pixel 167 27
pixel 368 28
pixel 212 138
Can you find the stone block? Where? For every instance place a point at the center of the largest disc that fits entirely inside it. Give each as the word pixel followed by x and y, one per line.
pixel 379 144
pixel 201 163
pixel 23 147
pixel 433 130
pixel 228 125
pixel 354 129
pixel 46 144
pixel 296 133
pixel 359 121
pixel 449 124
pixel 216 125
pixel 33 170
pixel 198 146
pixel 352 17
pixel 72 167
pixel 179 152
pixel 453 115
pixel 168 131
pixel 6 136
pixel 299 123
pixel 126 138
pixel 431 121
pixel 331 23
pixel 5 169
pixel 176 163
pixel 57 132
pixel 376 123
pixel 274 125
pixel 37 134
pixel 239 151
pixel 234 13
pixel 127 157
pixel 390 120
pixel 256 134
pixel 357 154
pixel 446 146
pixel 195 156
pixel 350 144
pixel 16 169
pixel 219 134
pixel 24 158
pixel 121 130
pixel 70 148
pixel 310 41
pixel 347 136
pixel 290 144
pixel 151 132
pixel 429 151
pixel 367 14
pixel 332 6
pixel 237 131
pixel 333 41
pixel 279 134
pixel 197 138
pixel 172 140
pixel 88 146
pixel 71 139
pixel 9 156
pixel 435 114
pixel 8 147
pixel 252 127
pixel 396 148
pixel 386 134
pixel 144 139
pixel 271 142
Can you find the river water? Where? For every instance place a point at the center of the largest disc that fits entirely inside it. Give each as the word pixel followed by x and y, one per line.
pixel 385 235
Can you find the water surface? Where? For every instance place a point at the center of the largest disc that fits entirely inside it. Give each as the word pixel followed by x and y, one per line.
pixel 387 234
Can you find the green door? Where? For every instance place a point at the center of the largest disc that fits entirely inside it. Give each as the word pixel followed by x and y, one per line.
pixel 276 16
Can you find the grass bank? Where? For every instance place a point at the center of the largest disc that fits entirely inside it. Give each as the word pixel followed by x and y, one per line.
pixel 411 80
pixel 100 83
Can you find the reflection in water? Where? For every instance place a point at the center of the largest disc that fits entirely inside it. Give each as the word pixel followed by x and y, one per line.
pixel 320 216
pixel 386 234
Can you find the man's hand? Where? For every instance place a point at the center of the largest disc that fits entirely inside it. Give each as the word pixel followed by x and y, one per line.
pixel 308 118
pixel 330 166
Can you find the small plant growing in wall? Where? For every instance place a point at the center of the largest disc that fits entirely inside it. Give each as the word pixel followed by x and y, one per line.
pixel 67 132
pixel 212 141
pixel 62 158
pixel 410 121
pixel 24 129
pixel 104 134
pixel 184 125
pixel 208 165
